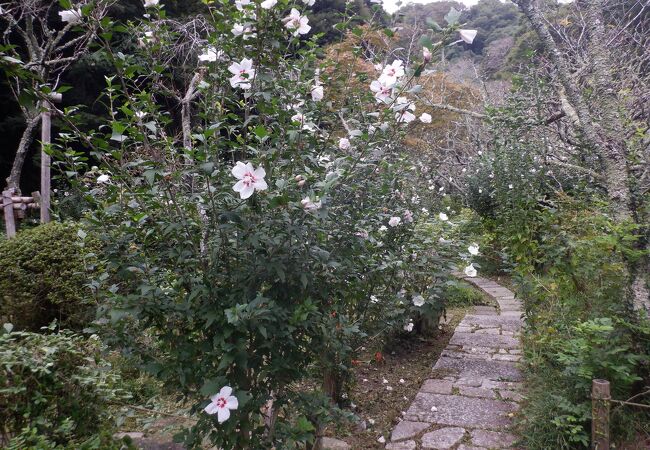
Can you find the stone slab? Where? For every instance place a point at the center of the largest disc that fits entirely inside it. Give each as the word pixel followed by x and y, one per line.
pixel 443 439
pixel 407 429
pixel 468 391
pixel 474 340
pixel 437 386
pixel 492 439
pixel 456 410
pixel 478 368
pixel 406 445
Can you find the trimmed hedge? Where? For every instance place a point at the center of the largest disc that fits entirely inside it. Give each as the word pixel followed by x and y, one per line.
pixel 43 277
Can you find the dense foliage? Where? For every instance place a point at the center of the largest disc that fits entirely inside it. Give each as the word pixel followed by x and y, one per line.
pixel 551 228
pixel 54 390
pixel 45 276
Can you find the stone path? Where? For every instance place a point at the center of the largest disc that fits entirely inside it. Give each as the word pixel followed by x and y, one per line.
pixel 469 402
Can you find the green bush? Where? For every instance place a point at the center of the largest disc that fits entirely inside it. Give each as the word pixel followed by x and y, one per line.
pixel 55 389
pixel 43 277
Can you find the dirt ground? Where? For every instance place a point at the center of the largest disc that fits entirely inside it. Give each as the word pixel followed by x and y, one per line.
pixel 384 390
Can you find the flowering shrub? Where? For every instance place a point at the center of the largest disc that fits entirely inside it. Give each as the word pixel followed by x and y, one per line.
pixel 268 235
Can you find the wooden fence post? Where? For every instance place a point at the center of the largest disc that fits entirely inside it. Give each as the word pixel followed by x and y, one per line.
pixel 46 161
pixel 46 124
pixel 8 207
pixel 600 401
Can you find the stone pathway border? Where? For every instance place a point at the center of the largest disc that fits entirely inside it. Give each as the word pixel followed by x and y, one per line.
pixel 469 401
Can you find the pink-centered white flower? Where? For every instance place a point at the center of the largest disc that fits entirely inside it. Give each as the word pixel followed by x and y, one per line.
pixel 403 108
pixel 425 118
pixel 394 221
pixel 467 36
pixel 210 54
pixel 470 271
pixel 382 91
pixel 268 4
pixel 317 93
pixel 238 29
pixel 71 16
pixel 243 73
pixel 344 144
pixel 241 3
pixel 426 54
pixel 296 23
pixel 222 403
pixel 250 179
pixel 309 205
pixel 392 72
pixel 408 216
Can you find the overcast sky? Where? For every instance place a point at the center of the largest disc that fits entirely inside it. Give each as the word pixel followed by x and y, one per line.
pixel 391 5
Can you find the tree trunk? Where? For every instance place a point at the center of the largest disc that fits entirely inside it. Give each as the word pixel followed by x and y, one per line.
pixel 13 181
pixel 606 136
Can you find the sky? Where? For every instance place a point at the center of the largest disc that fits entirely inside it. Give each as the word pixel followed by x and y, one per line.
pixel 391 5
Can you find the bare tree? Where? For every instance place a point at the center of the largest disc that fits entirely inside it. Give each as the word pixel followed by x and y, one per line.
pixel 598 91
pixel 44 47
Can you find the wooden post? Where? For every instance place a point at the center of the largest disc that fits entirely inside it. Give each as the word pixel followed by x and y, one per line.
pixel 8 207
pixel 600 400
pixel 46 139
pixel 46 124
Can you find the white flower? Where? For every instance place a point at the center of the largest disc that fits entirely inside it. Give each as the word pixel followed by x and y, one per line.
pixel 268 4
pixel 408 327
pixel 303 121
pixel 309 205
pixel 383 228
pixel 370 421
pixel 374 299
pixel 425 118
pixel 210 54
pixel 389 388
pixel 241 3
pixel 426 54
pixel 344 144
pixel 103 178
pixel 473 249
pixel 238 29
pixel 392 72
pixel 408 216
pixel 150 3
pixel 309 2
pixel 394 221
pixel 381 439
pixel 403 108
pixel 401 380
pixel 467 35
pixel 363 234
pixel 418 300
pixel 510 186
pixel 317 93
pixel 71 16
pixel 222 403
pixel 382 91
pixel 443 216
pixel 250 179
pixel 296 23
pixel 243 73
pixel 470 271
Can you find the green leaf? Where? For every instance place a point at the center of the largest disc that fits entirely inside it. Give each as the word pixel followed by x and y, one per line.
pixel 453 16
